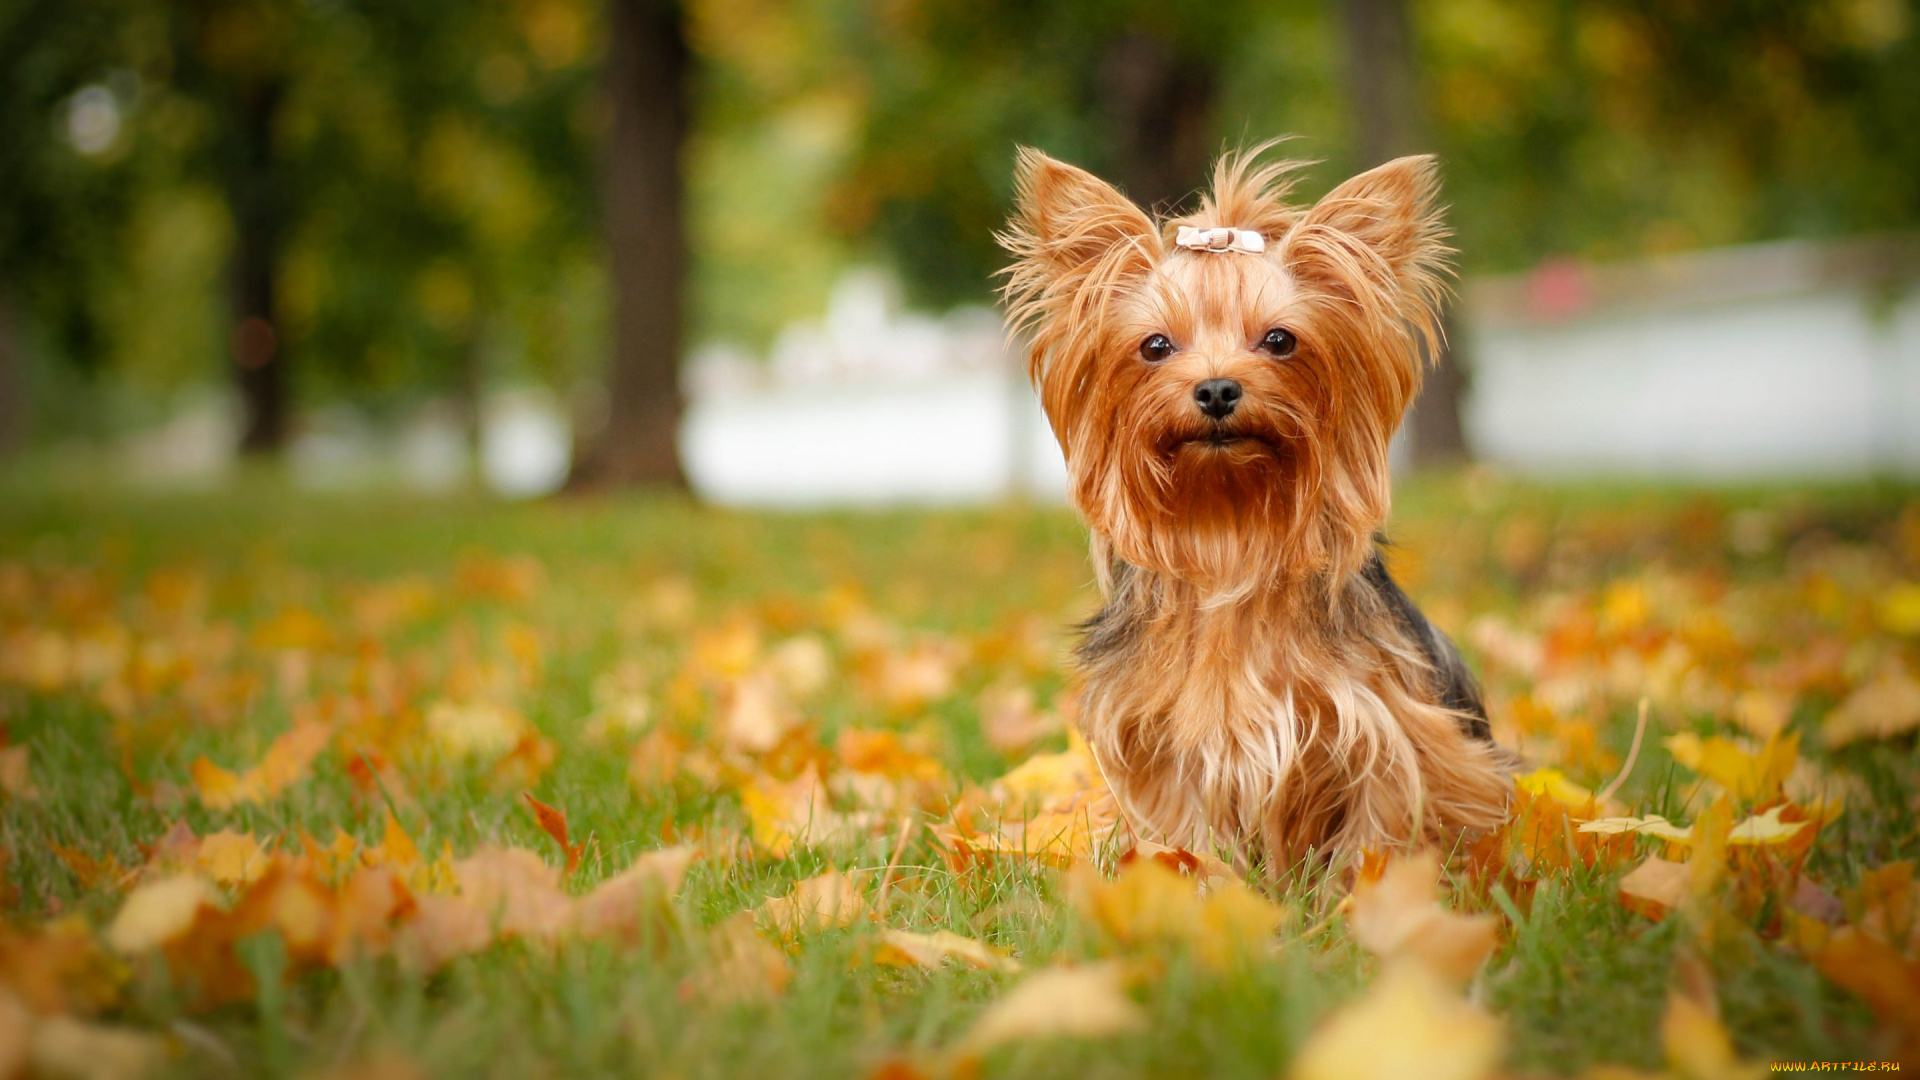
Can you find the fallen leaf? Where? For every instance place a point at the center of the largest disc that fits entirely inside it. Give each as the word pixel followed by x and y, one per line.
pixel 1553 784
pixel 1400 916
pixel 1655 887
pixel 554 824
pixel 231 858
pixel 740 965
pixel 157 912
pixel 1748 776
pixel 1881 709
pixel 16 780
pixel 287 761
pixel 515 890
pixel 1086 1002
pixel 479 729
pixel 627 904
pixel 1697 1045
pixel 904 948
pixel 1651 825
pixel 819 903
pixel 1148 903
pixel 64 1048
pixel 1410 1023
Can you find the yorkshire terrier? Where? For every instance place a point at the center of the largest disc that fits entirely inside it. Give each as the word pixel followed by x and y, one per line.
pixel 1224 386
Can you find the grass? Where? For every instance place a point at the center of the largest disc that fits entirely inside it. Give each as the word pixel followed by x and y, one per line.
pixel 1579 980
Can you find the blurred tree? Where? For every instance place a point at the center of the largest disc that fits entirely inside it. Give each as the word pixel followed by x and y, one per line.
pixel 648 67
pixel 1383 86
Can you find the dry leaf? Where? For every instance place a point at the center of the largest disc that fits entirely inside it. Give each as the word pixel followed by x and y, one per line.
pixel 1399 916
pixel 1881 709
pixel 554 824
pixel 904 948
pixel 16 781
pixel 483 730
pixel 1697 1046
pixel 1148 903
pixel 157 912
pixel 64 1048
pixel 818 903
pixel 288 761
pixel 1409 1024
pixel 1069 1002
pixel 740 964
pixel 1655 887
pixel 1748 776
pixel 625 905
pixel 231 858
pixel 515 890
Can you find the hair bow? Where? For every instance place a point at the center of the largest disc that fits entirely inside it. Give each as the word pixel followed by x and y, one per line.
pixel 1246 240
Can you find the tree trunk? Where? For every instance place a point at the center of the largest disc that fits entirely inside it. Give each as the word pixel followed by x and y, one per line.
pixel 254 196
pixel 13 382
pixel 1382 84
pixel 647 74
pixel 1160 108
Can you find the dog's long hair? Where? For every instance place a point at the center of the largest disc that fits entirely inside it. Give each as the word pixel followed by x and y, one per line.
pixel 1254 673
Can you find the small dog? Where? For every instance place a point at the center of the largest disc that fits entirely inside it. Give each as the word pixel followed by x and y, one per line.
pixel 1224 386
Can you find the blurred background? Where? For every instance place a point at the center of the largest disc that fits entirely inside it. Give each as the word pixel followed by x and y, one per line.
pixel 746 245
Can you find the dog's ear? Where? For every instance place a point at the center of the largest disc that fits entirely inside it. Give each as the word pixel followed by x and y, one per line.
pixel 1068 222
pixel 1391 210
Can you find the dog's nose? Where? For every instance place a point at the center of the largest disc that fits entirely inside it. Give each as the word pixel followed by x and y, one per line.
pixel 1217 397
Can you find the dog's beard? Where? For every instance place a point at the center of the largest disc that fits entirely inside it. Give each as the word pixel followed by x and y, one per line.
pixel 1212 504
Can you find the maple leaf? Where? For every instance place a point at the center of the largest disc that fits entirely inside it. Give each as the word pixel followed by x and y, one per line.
pixel 1149 902
pixel 231 858
pixel 1876 973
pixel 1011 722
pixel 1748 776
pixel 515 890
pixel 739 964
pixel 821 902
pixel 478 729
pixel 1064 1002
pixel 62 1046
pixel 626 905
pixel 157 912
pixel 554 823
pixel 904 948
pixel 1410 1023
pixel 60 968
pixel 16 779
pixel 287 761
pixel 105 872
pixel 1889 705
pixel 1399 916
pixel 1697 1045
pixel 1655 887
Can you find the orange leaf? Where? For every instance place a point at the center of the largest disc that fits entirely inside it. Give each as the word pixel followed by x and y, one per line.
pixel 554 823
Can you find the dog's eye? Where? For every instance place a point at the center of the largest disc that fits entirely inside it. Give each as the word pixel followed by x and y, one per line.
pixel 1156 348
pixel 1279 342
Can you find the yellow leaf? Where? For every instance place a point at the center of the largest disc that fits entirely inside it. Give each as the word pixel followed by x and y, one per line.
pixel 1046 777
pixel 1765 828
pixel 1651 825
pixel 1069 1002
pixel 1409 1024
pixel 1883 708
pixel 231 858
pixel 156 913
pixel 624 905
pixel 1553 784
pixel 516 890
pixel 66 1047
pixel 1698 1047
pixel 903 948
pixel 1747 776
pixel 1147 902
pixel 1399 916
pixel 287 761
pixel 740 964
pixel 483 730
pixel 1655 887
pixel 1900 609
pixel 16 782
pixel 818 903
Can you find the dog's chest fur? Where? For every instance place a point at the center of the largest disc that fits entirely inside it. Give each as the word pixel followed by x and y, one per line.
pixel 1284 721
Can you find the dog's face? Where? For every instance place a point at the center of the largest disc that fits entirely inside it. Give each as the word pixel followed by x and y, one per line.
pixel 1225 414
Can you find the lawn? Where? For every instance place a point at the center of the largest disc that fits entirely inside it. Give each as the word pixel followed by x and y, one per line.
pixel 271 798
